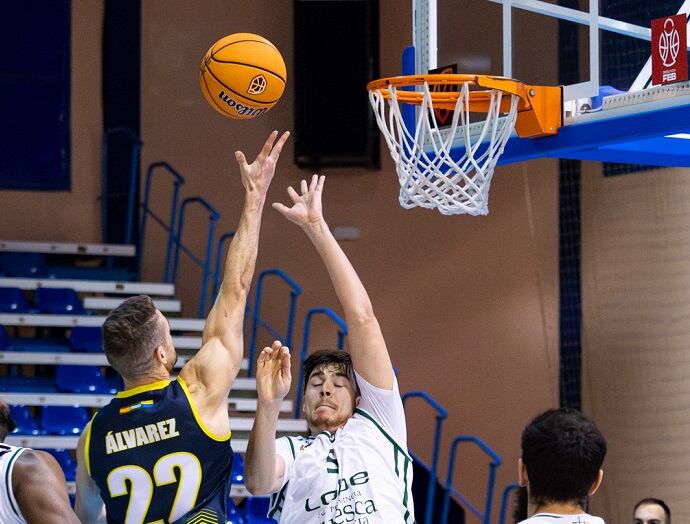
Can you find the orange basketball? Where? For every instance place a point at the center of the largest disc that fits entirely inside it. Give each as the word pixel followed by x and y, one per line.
pixel 243 75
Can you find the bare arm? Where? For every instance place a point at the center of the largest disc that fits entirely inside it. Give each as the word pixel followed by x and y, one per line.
pixel 211 372
pixel 88 505
pixel 263 467
pixel 40 490
pixel 366 344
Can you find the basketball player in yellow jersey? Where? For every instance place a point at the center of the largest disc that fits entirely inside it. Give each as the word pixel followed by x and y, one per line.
pixel 160 450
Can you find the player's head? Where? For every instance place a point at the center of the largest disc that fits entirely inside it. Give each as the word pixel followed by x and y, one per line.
pixel 7 425
pixel 651 511
pixel 330 389
pixel 562 454
pixel 136 339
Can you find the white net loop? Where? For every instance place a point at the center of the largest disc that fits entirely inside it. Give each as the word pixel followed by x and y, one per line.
pixel 428 175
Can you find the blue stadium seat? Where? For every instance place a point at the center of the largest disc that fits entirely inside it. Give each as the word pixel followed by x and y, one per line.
pixel 27 384
pixel 66 461
pixel 26 425
pixel 24 265
pixel 82 379
pixel 237 469
pixel 44 345
pixel 12 300
pixel 234 514
pixel 256 509
pixel 5 339
pixel 86 339
pixel 64 420
pixel 58 301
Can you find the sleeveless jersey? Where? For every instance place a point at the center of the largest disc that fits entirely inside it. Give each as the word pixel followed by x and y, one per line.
pixel 360 473
pixel 155 461
pixel 9 509
pixel 552 518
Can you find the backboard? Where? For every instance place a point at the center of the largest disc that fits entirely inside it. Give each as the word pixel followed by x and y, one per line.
pixel 636 123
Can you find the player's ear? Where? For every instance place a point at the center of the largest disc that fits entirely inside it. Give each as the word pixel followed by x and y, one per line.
pixel 522 474
pixel 593 489
pixel 159 354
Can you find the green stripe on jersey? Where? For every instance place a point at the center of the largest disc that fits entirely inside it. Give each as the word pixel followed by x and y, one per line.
pixel 8 481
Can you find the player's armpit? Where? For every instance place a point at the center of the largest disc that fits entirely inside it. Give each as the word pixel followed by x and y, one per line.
pixel 39 487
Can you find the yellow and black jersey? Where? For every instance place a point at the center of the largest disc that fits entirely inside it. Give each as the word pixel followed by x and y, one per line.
pixel 155 461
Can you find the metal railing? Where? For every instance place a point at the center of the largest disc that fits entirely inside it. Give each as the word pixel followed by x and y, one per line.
pixel 504 501
pixel 441 415
pixel 493 465
pixel 257 321
pixel 178 180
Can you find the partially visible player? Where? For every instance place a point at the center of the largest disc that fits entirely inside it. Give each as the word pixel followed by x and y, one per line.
pixel 354 467
pixel 160 450
pixel 651 511
pixel 562 455
pixel 33 485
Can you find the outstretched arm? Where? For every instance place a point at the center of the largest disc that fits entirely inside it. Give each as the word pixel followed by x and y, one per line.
pixel 88 503
pixel 209 375
pixel 366 344
pixel 39 487
pixel 263 467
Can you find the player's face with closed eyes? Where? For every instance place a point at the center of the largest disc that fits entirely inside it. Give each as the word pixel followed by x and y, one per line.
pixel 650 514
pixel 329 398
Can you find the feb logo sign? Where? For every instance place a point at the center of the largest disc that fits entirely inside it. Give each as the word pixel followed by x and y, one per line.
pixel 669 50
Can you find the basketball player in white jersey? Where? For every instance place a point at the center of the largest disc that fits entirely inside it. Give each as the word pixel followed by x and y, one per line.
pixel 32 490
pixel 562 455
pixel 354 466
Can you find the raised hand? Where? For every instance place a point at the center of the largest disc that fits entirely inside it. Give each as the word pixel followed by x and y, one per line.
pixel 306 207
pixel 257 176
pixel 273 376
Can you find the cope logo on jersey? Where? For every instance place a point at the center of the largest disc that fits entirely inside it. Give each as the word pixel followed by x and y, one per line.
pixel 257 85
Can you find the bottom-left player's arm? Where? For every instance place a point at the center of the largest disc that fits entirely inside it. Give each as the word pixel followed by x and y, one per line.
pixel 88 504
pixel 39 488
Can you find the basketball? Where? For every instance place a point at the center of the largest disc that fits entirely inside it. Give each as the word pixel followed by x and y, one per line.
pixel 242 75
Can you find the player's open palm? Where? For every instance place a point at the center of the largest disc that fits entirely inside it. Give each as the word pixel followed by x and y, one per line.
pixel 257 176
pixel 306 205
pixel 273 376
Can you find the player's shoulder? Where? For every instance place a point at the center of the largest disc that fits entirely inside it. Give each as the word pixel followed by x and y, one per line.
pixel 35 464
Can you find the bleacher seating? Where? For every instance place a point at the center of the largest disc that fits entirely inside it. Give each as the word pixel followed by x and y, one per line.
pixel 64 420
pixel 256 509
pixel 58 301
pixel 66 461
pixel 12 300
pixel 87 339
pixel 82 379
pixel 26 424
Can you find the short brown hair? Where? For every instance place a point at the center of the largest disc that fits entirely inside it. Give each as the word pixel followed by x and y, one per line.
pixel 326 357
pixel 130 334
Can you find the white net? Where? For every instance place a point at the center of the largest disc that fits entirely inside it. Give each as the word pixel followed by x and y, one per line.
pixel 429 177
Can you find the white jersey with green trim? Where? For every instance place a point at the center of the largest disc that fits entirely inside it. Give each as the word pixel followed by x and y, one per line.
pixel 553 518
pixel 9 509
pixel 361 474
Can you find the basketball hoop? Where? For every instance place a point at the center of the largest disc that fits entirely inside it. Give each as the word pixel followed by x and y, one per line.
pixel 429 176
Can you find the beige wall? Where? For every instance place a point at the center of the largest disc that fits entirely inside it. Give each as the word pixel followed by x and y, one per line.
pixel 636 360
pixel 34 215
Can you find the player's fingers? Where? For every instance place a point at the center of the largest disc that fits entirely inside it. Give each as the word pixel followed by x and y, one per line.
pixel 314 180
pixel 241 160
pixel 275 153
pixel 303 186
pixel 322 181
pixel 281 208
pixel 267 146
pixel 293 195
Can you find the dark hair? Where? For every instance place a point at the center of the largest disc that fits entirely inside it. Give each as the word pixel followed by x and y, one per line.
pixel 563 452
pixel 324 357
pixel 7 424
pixel 658 502
pixel 130 334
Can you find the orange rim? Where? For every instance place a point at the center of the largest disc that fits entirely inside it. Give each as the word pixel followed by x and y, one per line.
pixel 539 108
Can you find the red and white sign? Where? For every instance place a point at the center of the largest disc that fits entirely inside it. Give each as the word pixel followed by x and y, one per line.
pixel 669 50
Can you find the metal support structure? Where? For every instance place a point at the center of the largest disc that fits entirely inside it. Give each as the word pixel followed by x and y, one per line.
pixel 441 415
pixel 257 321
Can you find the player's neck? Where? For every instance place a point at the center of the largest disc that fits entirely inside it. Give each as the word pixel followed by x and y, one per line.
pixel 145 380
pixel 558 508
